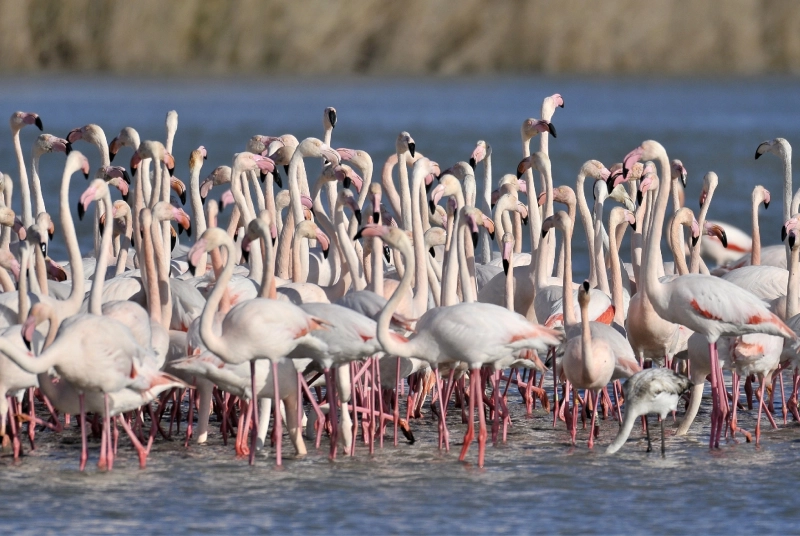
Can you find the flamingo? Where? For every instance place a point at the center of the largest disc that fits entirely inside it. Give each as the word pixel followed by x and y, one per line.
pixel 242 337
pixel 654 390
pixel 440 334
pixel 705 304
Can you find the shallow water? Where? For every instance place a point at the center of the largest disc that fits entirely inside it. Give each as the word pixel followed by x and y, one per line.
pixel 535 482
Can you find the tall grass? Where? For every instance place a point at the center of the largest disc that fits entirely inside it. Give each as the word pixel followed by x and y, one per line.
pixel 401 37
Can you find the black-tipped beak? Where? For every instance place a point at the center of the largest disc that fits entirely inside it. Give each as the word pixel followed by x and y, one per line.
pixel 357 214
pixel 724 239
pixel 586 286
pixel 412 148
pixel 552 129
pixel 783 233
pixel 189 231
pixel 277 178
pixel 262 176
pixel 432 206
pixel 639 197
pixel 171 170
pixel 86 175
pixel 346 182
pixel 68 149
pixel 472 163
pixel 562 104
pixel 491 235
pixel 505 266
pixel 766 204
pixel 180 230
pixel 432 252
pixel 38 123
pixel 81 211
pixel 633 225
pixel 376 217
pixel 220 206
pixel 694 240
pixel 332 118
pixel 202 200
pixel 125 197
pixel 127 178
pixel 544 233
pixel 387 253
pixel 25 339
pixel 245 255
pixel 43 247
pixel 625 172
pixel 524 220
pixel 51 234
pixel 192 268
pixel 757 153
pixel 683 180
pixel 519 173
pixel 205 156
pixel 183 197
pixel 358 234
pixel 325 252
pixel 286 169
pixel 474 240
pixel 428 187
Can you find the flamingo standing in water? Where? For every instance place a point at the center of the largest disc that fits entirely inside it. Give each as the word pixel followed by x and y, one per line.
pixel 705 304
pixel 653 390
pixel 256 329
pixel 444 334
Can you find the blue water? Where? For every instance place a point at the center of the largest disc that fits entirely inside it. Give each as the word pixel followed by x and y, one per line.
pixel 536 482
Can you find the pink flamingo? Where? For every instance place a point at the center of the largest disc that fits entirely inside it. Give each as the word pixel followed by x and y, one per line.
pixel 705 304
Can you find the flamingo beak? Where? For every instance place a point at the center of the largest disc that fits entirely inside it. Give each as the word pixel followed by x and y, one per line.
pixel 113 148
pixel 322 238
pixel 508 249
pixel 412 148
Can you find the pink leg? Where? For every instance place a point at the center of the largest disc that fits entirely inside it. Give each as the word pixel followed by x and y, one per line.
pixel 190 418
pixel 442 405
pixel 140 450
pixel 254 412
pixel 107 426
pixel 32 415
pixel 575 410
pixel 760 405
pixel 397 387
pixel 276 406
pixel 354 418
pixel 594 416
pixel 473 394
pixel 712 347
pixel 783 395
pixel 496 395
pixel 333 416
pixel 552 354
pixel 482 420
pixel 84 452
pixel 12 421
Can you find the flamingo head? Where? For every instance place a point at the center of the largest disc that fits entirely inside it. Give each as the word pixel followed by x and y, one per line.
pixel 717 231
pixel 478 154
pixel 375 193
pixel 346 198
pixel 678 171
pixel 778 146
pixel 405 143
pixel 508 251
pixel 532 127
pixel 329 117
pixel 97 189
pixel 20 119
pixel 308 229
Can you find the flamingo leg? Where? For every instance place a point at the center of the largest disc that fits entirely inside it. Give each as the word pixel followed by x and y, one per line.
pixel 17 447
pixel 397 387
pixel 594 416
pixel 141 451
pixel 496 395
pixel 663 441
pixel 354 428
pixel 190 417
pixel 783 396
pixel 254 412
pixel 32 414
pixel 760 406
pixel 84 452
pixel 574 414
pixel 649 444
pixel 330 382
pixel 473 394
pixel 482 420
pixel 712 349
pixel 278 429
pixel 552 355
pixel 107 426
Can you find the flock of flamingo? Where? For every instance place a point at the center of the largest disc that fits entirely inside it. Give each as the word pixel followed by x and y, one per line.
pixel 365 291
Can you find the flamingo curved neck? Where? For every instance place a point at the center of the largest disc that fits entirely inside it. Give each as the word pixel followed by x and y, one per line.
pixel 391 345
pixel 24 185
pixel 616 271
pixel 420 302
pixel 36 185
pixel 96 296
pixel 73 303
pixel 653 286
pixel 755 251
pixel 215 343
pixel 586 219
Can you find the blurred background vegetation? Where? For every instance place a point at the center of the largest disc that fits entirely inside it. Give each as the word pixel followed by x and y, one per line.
pixel 409 37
